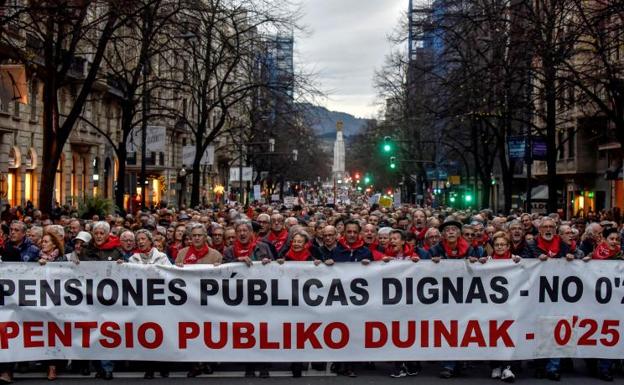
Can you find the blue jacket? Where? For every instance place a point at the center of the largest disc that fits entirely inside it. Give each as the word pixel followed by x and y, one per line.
pixel 342 254
pixel 25 252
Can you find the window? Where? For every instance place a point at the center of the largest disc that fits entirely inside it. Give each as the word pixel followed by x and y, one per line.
pixel 571 142
pixel 16 109
pixel 560 146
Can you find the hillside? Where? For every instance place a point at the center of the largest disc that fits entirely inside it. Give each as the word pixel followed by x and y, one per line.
pixel 323 121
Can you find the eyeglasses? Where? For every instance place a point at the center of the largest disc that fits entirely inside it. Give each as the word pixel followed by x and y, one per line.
pixel 469 235
pixel 263 222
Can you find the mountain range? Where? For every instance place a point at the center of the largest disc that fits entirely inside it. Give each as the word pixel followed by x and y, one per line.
pixel 323 121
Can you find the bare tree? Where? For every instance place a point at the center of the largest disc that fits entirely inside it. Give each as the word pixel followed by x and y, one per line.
pixel 54 39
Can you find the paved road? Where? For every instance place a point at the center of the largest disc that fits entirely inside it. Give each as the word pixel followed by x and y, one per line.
pixel 475 375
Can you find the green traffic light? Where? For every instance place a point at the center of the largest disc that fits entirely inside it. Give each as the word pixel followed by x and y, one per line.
pixel 387 148
pixel 366 179
pixel 393 165
pixel 452 199
pixel 468 198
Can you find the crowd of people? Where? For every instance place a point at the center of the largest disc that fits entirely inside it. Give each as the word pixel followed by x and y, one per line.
pixel 322 235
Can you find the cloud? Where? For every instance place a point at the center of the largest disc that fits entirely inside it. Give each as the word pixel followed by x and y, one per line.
pixel 348 42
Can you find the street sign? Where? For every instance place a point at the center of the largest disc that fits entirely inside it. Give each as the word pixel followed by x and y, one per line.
pixel 539 147
pixel 516 146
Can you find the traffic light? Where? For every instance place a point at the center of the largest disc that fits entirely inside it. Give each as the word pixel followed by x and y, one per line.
pixel 452 199
pixel 387 144
pixel 468 198
pixel 393 162
pixel 357 176
pixel 367 179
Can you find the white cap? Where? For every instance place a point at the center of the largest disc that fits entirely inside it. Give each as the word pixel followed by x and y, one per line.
pixel 84 236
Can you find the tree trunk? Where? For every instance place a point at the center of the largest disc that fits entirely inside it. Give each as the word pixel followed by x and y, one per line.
pixel 551 126
pixel 51 150
pixel 120 189
pixel 196 181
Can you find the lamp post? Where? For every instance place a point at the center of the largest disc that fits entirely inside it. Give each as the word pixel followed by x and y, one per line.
pixel 182 180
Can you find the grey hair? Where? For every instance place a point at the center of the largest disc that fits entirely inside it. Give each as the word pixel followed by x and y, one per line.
pixel 196 225
pixel 515 222
pixel 384 231
pixel 243 223
pixel 101 225
pixel 147 233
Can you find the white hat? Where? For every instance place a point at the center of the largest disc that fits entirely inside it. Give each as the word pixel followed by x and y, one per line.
pixel 84 236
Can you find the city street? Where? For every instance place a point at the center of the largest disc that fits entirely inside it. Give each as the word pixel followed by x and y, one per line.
pixel 478 373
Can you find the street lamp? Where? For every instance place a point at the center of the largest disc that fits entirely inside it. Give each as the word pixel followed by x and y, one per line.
pixel 181 180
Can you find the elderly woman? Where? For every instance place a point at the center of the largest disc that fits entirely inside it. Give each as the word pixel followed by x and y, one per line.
pixel 52 247
pixel 104 246
pixel 148 254
pixel 79 243
pixel 198 252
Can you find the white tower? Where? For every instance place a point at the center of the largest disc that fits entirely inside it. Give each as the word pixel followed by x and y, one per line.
pixel 338 169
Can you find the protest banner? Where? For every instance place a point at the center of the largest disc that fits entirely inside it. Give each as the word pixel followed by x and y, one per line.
pixel 396 311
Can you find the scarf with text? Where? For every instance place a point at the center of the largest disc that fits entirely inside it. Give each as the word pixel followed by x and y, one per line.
pixel 550 248
pixel 278 240
pixel 194 255
pixel 244 250
pixel 604 252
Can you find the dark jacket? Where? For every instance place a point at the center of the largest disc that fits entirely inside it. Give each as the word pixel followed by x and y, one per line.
pixel 534 251
pixel 261 251
pixel 25 252
pixel 438 251
pixel 93 253
pixel 522 250
pixel 326 253
pixel 343 254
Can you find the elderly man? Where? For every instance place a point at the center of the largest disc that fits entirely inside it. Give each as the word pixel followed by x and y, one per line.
pixel 246 248
pixel 369 235
pixel 127 244
pixel 518 245
pixel 35 234
pixel 198 252
pixel 264 220
pixel 419 226
pixel 591 238
pixel 330 241
pixel 278 236
pixel 19 248
pixel 548 245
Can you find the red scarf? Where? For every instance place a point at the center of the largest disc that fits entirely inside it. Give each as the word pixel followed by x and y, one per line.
pixel 246 250
pixel 220 247
pixel 572 246
pixel 480 242
pixel 111 243
pixel 300 256
pixel 356 245
pixel 551 248
pixel 407 252
pixel 420 234
pixel 604 252
pixel 278 240
pixel 174 249
pixel 193 255
pixel 374 249
pixel 460 251
pixel 507 255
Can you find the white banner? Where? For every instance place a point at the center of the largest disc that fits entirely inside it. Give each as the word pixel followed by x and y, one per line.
pixel 235 174
pixel 399 311
pixel 188 155
pixel 155 139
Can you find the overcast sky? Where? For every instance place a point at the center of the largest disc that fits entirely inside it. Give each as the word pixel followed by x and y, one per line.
pixel 348 41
